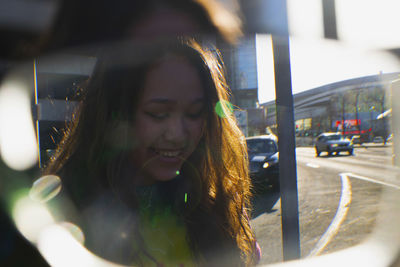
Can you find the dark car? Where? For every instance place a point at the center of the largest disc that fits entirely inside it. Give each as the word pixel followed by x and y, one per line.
pixel 264 162
pixel 333 143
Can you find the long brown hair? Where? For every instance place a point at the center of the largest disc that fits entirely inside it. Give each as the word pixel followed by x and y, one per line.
pixel 220 159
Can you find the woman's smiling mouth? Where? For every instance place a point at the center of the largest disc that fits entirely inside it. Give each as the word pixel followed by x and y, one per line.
pixel 168 153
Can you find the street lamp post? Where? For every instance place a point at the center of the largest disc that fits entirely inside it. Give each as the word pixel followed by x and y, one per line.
pixel 371 121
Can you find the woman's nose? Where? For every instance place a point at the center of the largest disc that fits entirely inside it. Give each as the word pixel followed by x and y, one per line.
pixel 176 130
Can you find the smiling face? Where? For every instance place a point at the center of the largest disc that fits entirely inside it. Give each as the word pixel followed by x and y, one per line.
pixel 169 120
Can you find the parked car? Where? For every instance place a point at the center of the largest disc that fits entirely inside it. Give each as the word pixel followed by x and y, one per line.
pixel 264 162
pixel 378 139
pixel 332 143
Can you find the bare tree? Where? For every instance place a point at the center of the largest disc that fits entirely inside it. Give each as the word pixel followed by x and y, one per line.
pixel 343 113
pixel 356 109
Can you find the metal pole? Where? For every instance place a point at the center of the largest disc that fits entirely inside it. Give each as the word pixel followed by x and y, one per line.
pixel 395 91
pixel 270 16
pixel 286 142
pixel 36 108
pixel 329 16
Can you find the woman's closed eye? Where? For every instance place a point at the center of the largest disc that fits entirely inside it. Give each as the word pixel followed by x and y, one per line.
pixel 196 114
pixel 157 115
pixel 196 111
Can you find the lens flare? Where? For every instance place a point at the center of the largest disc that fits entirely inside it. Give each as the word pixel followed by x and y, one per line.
pixel 75 231
pixel 45 188
pixel 223 108
pixel 31 217
pixel 60 248
pixel 18 146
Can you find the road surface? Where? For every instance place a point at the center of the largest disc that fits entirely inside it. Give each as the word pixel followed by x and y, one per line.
pixel 339 201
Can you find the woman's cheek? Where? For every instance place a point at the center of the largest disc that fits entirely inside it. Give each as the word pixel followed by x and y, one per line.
pixel 197 130
pixel 148 130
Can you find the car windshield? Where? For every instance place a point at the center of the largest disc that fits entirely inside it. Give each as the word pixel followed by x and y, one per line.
pixel 261 146
pixel 333 137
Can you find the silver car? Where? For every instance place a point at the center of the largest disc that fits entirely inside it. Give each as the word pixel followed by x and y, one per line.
pixel 332 143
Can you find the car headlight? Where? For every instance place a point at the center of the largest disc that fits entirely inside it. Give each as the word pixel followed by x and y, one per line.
pixel 270 163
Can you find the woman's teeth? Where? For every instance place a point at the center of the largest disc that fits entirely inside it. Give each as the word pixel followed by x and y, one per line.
pixel 170 154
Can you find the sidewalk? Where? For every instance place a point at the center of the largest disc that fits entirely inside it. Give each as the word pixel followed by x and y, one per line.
pixel 366 145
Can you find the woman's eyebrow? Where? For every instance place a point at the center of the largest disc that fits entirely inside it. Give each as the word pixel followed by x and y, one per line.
pixel 199 100
pixel 160 101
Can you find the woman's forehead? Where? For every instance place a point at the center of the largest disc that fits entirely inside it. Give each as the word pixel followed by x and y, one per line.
pixel 173 77
pixel 165 22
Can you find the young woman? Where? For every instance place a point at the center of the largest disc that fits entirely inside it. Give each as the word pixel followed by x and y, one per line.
pixel 156 163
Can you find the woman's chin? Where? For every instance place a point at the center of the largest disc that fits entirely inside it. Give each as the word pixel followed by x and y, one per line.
pixel 166 176
pixel 155 175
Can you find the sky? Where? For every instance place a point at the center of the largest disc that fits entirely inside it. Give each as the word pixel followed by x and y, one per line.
pixel 316 61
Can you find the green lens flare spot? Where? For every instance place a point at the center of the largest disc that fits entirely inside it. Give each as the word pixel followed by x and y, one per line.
pixel 223 108
pixel 177 172
pixel 186 198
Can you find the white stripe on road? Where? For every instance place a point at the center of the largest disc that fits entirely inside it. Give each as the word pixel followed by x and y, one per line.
pixel 312 165
pixel 370 180
pixel 331 231
pixel 345 200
